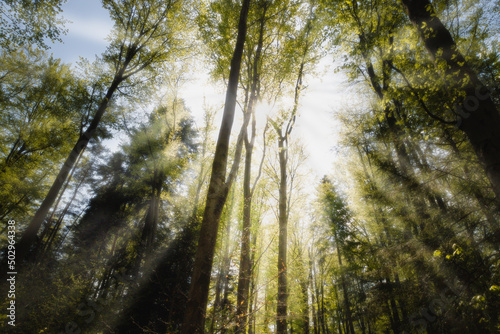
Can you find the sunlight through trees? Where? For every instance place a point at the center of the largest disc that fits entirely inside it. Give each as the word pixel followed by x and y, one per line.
pixel 128 208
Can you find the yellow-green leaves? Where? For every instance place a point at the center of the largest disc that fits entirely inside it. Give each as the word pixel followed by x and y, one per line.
pixel 42 104
pixel 29 23
pixel 147 33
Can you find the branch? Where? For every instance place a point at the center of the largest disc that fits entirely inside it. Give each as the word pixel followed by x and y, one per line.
pixel 421 102
pixel 237 153
pixel 261 162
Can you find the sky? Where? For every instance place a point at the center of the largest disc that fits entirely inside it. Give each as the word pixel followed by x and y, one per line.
pixel 89 25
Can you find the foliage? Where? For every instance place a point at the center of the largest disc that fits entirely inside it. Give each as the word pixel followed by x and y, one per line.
pixel 407 242
pixel 24 23
pixel 44 106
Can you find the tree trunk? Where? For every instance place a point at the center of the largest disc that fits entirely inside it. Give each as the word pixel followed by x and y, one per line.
pixel 339 317
pixel 50 240
pixel 217 301
pixel 39 250
pixel 226 304
pixel 305 300
pixel 194 319
pixel 391 318
pixel 312 287
pixel 150 223
pixel 222 285
pixel 281 310
pixel 323 322
pixel 347 304
pixel 29 235
pixel 480 120
pixel 361 312
pixel 253 297
pixel 245 269
pixel 401 301
pixel 394 308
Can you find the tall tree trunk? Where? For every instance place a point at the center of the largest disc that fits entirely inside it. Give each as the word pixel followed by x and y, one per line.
pixel 401 299
pixel 339 317
pixel 150 223
pixel 323 322
pixel 361 312
pixel 29 235
pixel 253 293
pixel 281 310
pixel 48 225
pixel 394 308
pixel 390 315
pixel 226 304
pixel 245 269
pixel 194 319
pixel 311 284
pixel 217 301
pixel 221 303
pixel 347 303
pixel 283 135
pixel 480 120
pixel 50 240
pixel 305 300
pixel 251 300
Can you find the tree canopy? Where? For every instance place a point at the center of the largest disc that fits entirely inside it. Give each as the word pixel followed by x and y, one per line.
pixel 128 207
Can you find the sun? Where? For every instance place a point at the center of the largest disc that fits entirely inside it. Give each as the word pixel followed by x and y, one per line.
pixel 263 110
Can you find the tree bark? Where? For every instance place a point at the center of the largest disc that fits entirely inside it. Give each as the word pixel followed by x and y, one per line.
pixel 254 279
pixel 312 287
pixel 339 316
pixel 194 319
pixel 150 222
pixel 221 304
pixel 47 230
pixel 245 268
pixel 394 308
pixel 50 240
pixel 281 310
pixel 347 303
pixel 323 322
pixel 305 300
pixel 480 120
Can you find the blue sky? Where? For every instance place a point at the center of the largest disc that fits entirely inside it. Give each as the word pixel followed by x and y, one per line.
pixel 87 31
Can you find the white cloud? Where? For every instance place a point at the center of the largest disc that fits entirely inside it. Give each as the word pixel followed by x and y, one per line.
pixel 90 29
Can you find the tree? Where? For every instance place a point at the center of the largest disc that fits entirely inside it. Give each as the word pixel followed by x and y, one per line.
pixel 305 42
pixel 109 241
pixel 218 188
pixel 337 215
pixel 401 237
pixel 145 37
pixel 480 119
pixel 37 99
pixel 160 150
pixel 26 23
pixel 244 275
pixel 45 106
